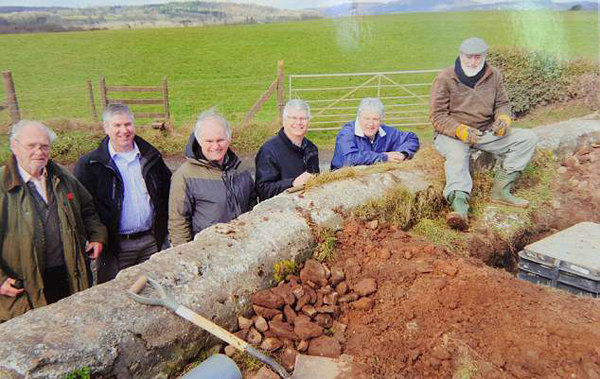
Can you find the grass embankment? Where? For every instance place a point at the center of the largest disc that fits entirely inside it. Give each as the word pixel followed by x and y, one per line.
pixel 425 213
pixel 231 66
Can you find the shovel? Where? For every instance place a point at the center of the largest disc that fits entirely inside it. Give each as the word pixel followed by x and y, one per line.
pixel 307 367
pixel 168 301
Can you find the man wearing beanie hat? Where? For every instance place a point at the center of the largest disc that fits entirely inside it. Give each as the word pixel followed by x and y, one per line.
pixel 470 110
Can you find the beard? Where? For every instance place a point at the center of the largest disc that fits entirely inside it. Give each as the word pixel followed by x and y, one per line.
pixel 470 72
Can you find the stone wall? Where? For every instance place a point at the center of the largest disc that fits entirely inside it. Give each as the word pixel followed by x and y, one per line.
pixel 103 329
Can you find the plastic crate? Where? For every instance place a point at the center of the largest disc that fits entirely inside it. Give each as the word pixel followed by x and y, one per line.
pixel 568 260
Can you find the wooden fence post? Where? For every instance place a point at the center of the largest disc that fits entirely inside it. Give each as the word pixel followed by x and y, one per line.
pixel 103 92
pixel 92 102
pixel 165 91
pixel 11 97
pixel 280 89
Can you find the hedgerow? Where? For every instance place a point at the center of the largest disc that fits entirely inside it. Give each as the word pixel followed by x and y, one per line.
pixel 536 78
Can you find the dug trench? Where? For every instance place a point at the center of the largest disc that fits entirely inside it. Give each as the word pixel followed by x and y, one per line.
pixel 403 307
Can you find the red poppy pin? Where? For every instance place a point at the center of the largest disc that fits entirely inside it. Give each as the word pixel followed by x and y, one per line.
pixel 70 196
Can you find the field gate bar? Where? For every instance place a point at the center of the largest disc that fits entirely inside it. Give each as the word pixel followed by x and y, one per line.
pixel 334 98
pixel 156 97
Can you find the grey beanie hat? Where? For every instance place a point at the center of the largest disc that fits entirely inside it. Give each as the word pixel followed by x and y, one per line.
pixel 473 45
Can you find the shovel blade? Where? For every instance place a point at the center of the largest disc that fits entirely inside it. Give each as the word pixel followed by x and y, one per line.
pixel 311 367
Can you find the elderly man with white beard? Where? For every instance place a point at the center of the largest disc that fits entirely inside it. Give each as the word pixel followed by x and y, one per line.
pixel 470 110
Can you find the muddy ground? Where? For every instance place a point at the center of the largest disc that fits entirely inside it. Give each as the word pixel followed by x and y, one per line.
pixel 437 315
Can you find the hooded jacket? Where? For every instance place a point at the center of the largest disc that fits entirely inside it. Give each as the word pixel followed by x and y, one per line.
pixel 101 177
pixel 353 148
pixel 279 162
pixel 21 251
pixel 204 193
pixel 454 103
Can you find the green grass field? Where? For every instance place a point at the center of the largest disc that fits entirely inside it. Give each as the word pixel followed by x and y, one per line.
pixel 231 66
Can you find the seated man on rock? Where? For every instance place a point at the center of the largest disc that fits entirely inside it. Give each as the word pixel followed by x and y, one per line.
pixel 470 110
pixel 367 140
pixel 208 188
pixel 287 159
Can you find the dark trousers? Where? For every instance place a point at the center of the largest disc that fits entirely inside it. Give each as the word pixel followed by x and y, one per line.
pixel 56 284
pixel 138 250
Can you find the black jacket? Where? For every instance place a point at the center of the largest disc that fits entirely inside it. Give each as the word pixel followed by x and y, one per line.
pixel 279 162
pixel 100 176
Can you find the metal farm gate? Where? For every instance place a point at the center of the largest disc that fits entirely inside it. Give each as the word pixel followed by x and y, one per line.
pixel 334 98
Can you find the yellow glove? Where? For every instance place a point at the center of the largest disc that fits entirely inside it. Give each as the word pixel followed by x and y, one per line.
pixel 468 134
pixel 501 126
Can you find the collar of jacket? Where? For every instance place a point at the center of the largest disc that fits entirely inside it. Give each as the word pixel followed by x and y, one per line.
pixel 12 178
pixel 488 72
pixel 102 155
pixel 290 144
pixel 193 154
pixel 359 132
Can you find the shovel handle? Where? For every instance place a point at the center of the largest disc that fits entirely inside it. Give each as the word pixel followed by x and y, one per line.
pixel 139 284
pixel 231 339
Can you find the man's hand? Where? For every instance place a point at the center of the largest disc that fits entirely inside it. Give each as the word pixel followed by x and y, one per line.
pixel 468 134
pixel 301 179
pixel 395 156
pixel 8 289
pixel 95 248
pixel 501 126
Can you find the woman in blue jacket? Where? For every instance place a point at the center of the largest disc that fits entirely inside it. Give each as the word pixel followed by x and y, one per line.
pixel 367 141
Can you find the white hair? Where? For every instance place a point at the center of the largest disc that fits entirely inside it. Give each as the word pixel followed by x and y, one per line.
pixel 19 126
pixel 371 104
pixel 211 114
pixel 297 104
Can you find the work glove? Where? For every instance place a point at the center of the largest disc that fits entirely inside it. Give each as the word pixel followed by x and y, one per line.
pixel 468 134
pixel 501 126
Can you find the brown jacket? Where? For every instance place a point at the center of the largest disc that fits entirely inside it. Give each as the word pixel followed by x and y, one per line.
pixel 453 103
pixel 20 250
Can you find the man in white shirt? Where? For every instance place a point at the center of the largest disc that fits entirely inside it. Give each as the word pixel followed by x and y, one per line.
pixel 130 184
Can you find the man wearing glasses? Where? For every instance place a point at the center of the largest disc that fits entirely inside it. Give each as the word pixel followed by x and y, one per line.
pixel 287 159
pixel 49 228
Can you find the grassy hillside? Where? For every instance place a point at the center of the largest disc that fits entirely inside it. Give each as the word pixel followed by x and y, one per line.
pixel 230 66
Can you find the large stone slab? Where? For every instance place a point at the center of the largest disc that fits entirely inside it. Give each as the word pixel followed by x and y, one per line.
pixel 569 136
pixel 214 275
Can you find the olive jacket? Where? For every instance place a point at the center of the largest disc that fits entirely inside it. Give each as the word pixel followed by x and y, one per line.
pixel 23 253
pixel 204 193
pixel 453 103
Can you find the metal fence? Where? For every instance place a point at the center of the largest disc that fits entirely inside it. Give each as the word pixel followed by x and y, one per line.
pixel 334 98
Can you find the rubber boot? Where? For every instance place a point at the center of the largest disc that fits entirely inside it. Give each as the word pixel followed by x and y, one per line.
pixel 501 190
pixel 459 217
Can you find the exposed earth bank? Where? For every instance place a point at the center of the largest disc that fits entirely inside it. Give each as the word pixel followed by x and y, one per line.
pixel 438 316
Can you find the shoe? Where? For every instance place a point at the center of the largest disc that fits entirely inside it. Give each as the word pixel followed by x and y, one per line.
pixel 459 217
pixel 501 190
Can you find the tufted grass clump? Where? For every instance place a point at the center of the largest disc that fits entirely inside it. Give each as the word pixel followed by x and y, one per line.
pixel 284 268
pixel 402 208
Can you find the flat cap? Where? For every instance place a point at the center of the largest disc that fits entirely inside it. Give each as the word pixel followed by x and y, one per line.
pixel 473 45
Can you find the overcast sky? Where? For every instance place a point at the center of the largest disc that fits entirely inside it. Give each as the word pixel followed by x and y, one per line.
pixel 289 4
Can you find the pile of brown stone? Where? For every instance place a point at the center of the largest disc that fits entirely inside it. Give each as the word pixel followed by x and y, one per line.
pixel 301 313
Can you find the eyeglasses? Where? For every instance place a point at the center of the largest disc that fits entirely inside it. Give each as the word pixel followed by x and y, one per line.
pixel 32 146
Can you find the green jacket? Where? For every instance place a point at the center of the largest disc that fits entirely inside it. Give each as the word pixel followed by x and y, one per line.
pixel 79 222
